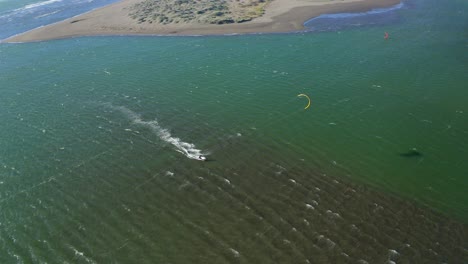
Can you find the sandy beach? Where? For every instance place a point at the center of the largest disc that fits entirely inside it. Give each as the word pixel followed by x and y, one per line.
pixel 115 19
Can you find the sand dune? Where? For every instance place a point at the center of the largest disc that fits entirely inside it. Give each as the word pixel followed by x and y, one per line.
pixel 135 17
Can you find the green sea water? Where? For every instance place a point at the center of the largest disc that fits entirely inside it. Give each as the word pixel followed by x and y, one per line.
pixel 98 137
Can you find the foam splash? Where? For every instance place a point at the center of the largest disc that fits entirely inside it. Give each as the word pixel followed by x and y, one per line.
pixel 188 149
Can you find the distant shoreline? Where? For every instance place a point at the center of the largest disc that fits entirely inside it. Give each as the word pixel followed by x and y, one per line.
pixel 114 19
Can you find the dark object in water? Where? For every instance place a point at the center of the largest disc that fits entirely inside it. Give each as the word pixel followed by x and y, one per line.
pixel 411 153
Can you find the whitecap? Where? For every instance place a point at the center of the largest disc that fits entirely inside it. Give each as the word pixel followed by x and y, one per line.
pixel 393 253
pixel 235 252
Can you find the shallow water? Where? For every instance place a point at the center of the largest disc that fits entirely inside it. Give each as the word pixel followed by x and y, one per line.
pixel 17 16
pixel 98 133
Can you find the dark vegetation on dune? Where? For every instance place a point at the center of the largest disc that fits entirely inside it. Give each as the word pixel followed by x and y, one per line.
pixel 199 11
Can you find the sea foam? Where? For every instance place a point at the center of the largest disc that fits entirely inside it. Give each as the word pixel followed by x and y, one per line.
pixel 188 149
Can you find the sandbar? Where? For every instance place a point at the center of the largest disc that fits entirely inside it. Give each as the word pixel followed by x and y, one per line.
pixel 114 19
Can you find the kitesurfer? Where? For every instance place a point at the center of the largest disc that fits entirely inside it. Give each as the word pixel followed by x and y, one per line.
pixel 201 157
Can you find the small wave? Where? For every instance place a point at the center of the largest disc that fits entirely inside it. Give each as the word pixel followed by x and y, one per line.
pixel 40 4
pixel 188 149
pixel 350 15
pixel 26 9
pixel 48 14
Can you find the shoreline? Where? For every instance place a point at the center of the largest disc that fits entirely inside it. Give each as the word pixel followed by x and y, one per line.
pixel 281 16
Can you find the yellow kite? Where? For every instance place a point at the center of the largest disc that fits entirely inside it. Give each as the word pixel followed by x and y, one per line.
pixel 300 95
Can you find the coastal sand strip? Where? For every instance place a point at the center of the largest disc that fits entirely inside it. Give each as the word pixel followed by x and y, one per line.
pixel 114 19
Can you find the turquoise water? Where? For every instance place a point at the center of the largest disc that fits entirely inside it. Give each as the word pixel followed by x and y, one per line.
pixel 99 139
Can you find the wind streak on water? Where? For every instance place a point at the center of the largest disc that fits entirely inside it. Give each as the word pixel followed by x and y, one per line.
pixel 188 149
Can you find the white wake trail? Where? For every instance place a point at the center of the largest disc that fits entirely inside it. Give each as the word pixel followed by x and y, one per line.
pixel 188 149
